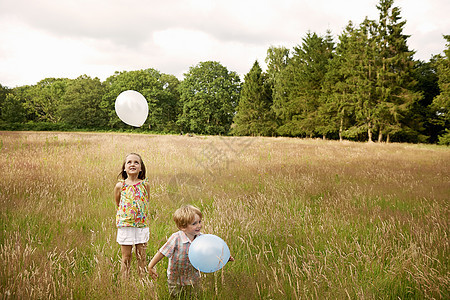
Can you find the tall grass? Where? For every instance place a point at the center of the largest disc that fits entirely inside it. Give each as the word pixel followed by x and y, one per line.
pixel 303 218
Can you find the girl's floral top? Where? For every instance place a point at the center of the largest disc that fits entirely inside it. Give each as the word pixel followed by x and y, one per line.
pixel 133 210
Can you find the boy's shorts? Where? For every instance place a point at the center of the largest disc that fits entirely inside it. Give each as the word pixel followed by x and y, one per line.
pixel 132 235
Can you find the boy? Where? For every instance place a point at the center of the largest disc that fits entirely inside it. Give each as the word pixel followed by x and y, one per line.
pixel 182 277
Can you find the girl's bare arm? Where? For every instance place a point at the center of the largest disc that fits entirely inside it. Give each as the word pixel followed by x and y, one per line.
pixel 117 190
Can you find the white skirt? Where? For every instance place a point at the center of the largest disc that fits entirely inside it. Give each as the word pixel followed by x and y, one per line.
pixel 132 235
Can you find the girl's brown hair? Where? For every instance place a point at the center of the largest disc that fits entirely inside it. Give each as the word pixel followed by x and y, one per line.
pixel 124 174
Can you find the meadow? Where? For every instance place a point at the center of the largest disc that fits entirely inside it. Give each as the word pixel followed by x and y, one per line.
pixel 304 219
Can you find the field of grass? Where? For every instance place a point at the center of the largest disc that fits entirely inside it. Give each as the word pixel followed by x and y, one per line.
pixel 304 219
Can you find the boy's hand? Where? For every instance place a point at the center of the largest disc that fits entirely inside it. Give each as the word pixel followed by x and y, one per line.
pixel 231 258
pixel 153 273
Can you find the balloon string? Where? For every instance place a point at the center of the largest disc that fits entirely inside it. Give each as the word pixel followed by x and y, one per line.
pixel 220 258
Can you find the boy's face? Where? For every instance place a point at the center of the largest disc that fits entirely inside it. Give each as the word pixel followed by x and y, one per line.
pixel 193 228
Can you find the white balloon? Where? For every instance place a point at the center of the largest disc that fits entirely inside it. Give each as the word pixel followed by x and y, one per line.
pixel 208 253
pixel 132 108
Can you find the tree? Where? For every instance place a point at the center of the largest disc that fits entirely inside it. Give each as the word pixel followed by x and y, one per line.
pixel 361 81
pixel 160 91
pixel 81 103
pixel 21 97
pixel 323 121
pixel 141 81
pixel 209 95
pixel 297 95
pixel 46 97
pixel 4 91
pixel 420 115
pixel 277 60
pixel 168 105
pixel 12 109
pixel 337 110
pixel 394 73
pixel 441 103
pixel 254 113
pixel 43 99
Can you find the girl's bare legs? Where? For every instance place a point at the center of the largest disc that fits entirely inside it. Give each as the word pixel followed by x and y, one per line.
pixel 126 260
pixel 141 251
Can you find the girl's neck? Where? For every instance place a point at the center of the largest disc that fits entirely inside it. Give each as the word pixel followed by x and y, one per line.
pixel 132 179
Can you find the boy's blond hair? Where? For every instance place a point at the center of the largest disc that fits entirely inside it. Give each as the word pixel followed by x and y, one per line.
pixel 185 215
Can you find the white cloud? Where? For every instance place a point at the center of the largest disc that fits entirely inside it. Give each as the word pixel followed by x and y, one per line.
pixel 179 41
pixel 54 38
pixel 32 53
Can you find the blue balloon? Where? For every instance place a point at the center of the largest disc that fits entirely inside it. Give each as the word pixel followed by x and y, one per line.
pixel 208 253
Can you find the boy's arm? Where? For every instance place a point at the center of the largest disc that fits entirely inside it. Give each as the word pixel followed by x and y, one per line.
pixel 151 266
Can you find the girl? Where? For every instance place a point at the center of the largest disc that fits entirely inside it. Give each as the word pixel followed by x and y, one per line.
pixel 131 194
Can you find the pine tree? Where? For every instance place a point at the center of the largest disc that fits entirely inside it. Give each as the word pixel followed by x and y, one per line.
pixel 394 76
pixel 338 106
pixel 297 95
pixel 254 113
pixel 421 114
pixel 362 53
pixel 441 104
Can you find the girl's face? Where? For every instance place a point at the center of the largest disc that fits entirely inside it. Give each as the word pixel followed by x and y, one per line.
pixel 193 228
pixel 133 164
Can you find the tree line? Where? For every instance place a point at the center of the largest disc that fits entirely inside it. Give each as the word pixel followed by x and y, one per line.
pixel 364 87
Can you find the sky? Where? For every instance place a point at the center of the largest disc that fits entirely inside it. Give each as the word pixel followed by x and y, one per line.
pixel 68 38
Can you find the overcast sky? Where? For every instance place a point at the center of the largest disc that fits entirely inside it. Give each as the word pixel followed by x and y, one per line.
pixel 69 38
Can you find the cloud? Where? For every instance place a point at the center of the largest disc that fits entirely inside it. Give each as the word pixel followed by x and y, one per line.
pixel 54 38
pixel 33 51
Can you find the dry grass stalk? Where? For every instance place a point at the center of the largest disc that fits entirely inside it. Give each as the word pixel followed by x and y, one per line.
pixel 303 218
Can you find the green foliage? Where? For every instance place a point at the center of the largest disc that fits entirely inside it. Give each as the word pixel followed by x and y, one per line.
pixel 366 84
pixel 364 53
pixel 20 99
pixel 254 113
pixel 422 112
pixel 3 93
pixel 12 109
pixel 338 89
pixel 441 103
pixel 160 90
pixel 209 96
pixel 47 98
pixel 277 59
pixel 300 84
pixel 81 103
pixel 394 72
pixel 35 126
pixel 168 108
pixel 444 139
